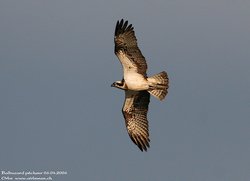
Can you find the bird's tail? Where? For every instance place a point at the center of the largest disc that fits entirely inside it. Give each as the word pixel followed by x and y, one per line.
pixel 158 85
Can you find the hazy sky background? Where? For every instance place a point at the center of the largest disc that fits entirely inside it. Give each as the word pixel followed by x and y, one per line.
pixel 58 111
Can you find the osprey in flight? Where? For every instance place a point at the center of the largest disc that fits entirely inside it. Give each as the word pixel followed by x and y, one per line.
pixel 136 84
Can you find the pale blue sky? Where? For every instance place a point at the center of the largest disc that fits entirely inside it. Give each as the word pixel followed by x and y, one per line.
pixel 58 111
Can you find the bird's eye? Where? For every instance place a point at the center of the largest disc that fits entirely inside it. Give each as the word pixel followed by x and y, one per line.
pixel 119 83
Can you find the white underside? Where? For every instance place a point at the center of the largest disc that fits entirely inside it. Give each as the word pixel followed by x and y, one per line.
pixel 135 81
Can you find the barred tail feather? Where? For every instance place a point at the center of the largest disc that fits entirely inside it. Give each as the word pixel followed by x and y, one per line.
pixel 159 85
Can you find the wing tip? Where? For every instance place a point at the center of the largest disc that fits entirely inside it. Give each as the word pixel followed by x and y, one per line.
pixel 142 142
pixel 122 26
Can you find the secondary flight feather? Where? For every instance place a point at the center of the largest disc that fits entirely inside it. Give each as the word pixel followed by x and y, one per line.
pixel 137 86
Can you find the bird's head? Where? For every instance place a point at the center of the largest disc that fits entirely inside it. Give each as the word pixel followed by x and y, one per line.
pixel 119 84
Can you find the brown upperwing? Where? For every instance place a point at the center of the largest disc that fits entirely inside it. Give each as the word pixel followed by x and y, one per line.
pixel 135 110
pixel 126 44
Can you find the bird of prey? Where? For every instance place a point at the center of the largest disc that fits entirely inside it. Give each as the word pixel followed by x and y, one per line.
pixel 136 84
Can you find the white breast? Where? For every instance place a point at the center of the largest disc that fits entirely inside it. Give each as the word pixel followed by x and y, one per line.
pixel 135 81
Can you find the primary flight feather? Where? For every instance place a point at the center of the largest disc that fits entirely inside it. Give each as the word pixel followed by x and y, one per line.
pixel 136 84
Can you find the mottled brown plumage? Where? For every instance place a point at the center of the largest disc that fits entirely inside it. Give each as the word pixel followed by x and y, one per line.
pixel 135 110
pixel 136 84
pixel 126 42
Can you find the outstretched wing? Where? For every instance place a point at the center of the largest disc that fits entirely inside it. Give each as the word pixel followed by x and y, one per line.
pixel 126 48
pixel 135 110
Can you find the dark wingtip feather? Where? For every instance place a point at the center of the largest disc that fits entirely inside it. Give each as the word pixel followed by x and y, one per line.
pixel 122 27
pixel 141 142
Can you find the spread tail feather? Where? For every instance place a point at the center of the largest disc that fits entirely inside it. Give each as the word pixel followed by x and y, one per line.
pixel 158 85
